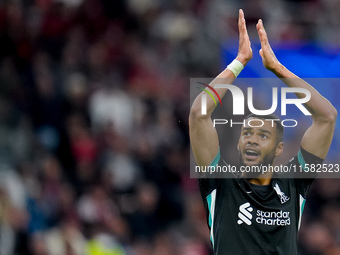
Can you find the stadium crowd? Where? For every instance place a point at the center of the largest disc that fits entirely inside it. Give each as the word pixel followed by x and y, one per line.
pixel 94 122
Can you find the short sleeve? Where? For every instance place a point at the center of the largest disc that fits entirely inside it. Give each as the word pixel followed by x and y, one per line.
pixel 304 157
pixel 207 185
pixel 305 178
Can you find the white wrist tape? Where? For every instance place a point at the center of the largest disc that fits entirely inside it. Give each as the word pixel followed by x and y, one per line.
pixel 236 67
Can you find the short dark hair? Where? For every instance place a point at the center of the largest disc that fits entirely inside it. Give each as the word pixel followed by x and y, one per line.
pixel 279 127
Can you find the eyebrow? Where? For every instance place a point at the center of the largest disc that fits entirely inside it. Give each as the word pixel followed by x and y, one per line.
pixel 262 130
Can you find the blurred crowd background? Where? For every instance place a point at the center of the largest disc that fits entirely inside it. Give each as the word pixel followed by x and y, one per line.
pixel 94 151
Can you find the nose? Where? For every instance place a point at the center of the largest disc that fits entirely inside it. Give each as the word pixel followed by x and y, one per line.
pixel 253 140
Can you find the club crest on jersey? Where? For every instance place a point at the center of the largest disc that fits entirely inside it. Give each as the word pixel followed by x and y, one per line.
pixel 282 196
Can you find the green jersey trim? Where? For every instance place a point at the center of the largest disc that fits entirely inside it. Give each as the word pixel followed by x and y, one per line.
pixel 216 159
pixel 211 200
pixel 302 207
pixel 301 160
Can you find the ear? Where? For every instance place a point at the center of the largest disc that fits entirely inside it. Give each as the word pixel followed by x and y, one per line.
pixel 279 149
pixel 238 147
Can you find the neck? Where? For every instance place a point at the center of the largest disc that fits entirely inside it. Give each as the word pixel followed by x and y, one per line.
pixel 262 179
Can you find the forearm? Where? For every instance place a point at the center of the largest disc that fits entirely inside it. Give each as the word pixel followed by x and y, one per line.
pixel 228 75
pixel 320 108
pixel 203 135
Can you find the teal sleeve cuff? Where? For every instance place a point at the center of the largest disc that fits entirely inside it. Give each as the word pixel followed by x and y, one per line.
pixel 216 159
pixel 305 157
pixel 301 160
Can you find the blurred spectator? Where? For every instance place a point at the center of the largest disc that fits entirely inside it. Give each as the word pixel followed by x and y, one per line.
pixel 65 240
pixel 145 222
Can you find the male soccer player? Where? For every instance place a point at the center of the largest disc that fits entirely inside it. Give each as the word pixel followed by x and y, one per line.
pixel 258 214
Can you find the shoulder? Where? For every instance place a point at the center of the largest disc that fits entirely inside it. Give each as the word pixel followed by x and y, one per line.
pixel 216 174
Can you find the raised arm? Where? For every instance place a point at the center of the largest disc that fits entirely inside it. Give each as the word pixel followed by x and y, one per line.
pixel 203 136
pixel 318 137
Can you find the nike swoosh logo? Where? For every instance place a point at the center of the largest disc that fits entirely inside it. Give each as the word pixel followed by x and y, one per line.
pixel 249 192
